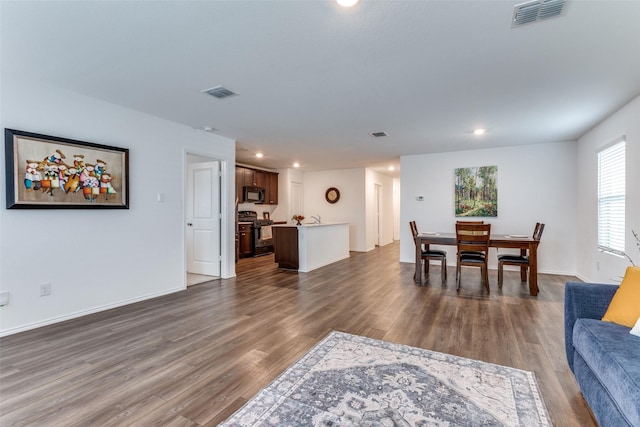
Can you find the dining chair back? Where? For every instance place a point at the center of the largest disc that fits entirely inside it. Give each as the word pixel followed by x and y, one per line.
pixel 428 254
pixel 537 232
pixel 472 241
pixel 470 222
pixel 414 228
pixel 521 260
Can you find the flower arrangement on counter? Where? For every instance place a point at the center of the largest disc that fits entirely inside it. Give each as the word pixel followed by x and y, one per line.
pixel 298 218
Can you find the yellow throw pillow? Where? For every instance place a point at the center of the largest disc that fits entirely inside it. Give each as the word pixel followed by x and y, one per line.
pixel 624 308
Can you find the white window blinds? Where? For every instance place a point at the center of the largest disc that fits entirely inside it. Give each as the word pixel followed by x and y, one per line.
pixel 611 196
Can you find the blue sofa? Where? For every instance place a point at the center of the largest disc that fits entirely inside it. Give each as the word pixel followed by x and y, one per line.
pixel 603 356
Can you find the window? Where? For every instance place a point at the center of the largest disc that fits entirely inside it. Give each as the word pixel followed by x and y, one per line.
pixel 611 195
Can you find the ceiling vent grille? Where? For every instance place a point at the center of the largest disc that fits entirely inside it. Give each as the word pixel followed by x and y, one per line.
pixel 378 134
pixel 537 10
pixel 219 92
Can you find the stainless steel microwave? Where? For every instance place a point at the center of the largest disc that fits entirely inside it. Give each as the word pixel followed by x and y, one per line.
pixel 253 194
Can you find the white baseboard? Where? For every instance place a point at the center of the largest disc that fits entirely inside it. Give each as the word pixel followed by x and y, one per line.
pixel 81 313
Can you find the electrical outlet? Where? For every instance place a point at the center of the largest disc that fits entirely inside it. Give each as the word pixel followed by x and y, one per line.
pixel 45 289
pixel 4 298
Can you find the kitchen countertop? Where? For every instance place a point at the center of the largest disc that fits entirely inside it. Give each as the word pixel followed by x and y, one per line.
pixel 310 225
pixel 309 246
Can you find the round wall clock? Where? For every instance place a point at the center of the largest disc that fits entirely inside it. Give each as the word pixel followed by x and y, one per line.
pixel 332 195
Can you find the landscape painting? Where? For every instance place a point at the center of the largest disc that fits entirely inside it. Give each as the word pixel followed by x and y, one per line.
pixel 50 172
pixel 476 191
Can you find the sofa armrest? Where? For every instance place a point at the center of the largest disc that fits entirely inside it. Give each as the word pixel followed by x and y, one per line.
pixel 583 301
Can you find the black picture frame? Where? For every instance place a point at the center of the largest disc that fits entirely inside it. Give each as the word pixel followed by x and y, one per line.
pixel 49 172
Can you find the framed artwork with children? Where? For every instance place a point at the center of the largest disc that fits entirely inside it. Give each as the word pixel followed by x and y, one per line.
pixel 51 172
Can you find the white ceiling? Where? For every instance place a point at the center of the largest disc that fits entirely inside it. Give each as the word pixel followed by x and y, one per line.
pixel 313 79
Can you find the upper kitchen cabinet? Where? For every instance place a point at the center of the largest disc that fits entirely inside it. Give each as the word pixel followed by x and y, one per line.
pixel 250 177
pixel 239 183
pixel 271 188
pixel 257 178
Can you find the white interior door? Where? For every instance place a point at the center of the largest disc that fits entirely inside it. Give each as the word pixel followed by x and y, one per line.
pixel 203 218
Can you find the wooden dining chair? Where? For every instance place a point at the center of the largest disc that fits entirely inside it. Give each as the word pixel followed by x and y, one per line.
pixel 521 260
pixel 470 222
pixel 472 241
pixel 429 254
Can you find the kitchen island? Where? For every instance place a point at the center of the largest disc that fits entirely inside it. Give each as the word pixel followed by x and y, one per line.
pixel 307 247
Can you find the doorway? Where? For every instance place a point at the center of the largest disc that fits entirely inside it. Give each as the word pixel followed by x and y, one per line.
pixel 378 224
pixel 203 219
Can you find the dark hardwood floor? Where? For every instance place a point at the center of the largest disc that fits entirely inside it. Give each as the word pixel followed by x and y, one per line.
pixel 194 357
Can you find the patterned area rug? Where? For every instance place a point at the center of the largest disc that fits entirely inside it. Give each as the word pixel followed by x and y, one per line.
pixel 349 380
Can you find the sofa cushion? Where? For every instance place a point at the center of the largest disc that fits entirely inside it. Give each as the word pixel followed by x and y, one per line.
pixel 624 308
pixel 613 354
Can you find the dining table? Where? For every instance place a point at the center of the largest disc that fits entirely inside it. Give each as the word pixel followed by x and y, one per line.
pixel 514 241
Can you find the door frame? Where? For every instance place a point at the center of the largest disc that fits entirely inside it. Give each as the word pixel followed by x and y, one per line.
pixel 226 238
pixel 377 190
pixel 212 223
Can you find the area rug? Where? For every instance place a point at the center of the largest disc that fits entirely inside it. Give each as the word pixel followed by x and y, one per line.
pixel 349 380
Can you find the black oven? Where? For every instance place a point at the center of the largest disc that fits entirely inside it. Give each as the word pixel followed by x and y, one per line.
pixel 263 237
pixel 261 233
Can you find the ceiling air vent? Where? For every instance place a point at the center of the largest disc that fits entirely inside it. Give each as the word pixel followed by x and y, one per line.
pixel 378 134
pixel 537 10
pixel 219 92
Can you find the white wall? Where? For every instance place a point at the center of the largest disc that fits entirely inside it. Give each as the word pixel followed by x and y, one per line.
pixel 283 211
pixel 536 183
pixel 356 205
pixel 625 122
pixel 350 208
pixel 98 259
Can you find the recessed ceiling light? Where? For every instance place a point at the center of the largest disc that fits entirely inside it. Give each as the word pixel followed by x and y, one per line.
pixel 346 3
pixel 296 165
pixel 479 132
pixel 391 168
pixel 259 155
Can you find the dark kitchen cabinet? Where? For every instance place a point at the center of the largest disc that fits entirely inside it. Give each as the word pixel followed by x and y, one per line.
pixel 257 178
pixel 260 178
pixel 239 183
pixel 245 241
pixel 271 189
pixel 250 177
pixel 285 242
